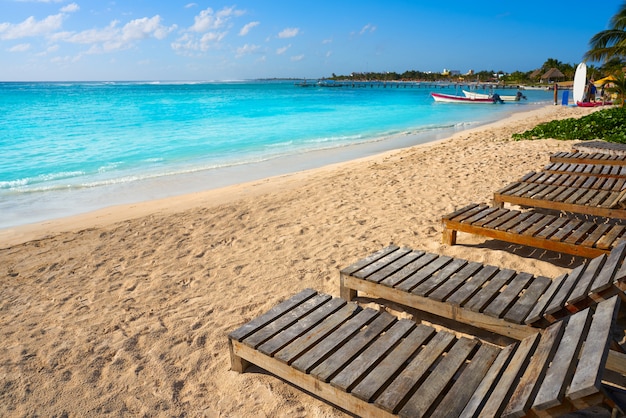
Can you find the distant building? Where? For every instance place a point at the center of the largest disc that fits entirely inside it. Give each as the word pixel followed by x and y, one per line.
pixel 450 72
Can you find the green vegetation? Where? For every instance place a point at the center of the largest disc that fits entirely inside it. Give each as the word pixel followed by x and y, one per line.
pixel 606 124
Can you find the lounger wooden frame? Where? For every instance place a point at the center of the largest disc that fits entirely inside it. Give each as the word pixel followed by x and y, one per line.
pixel 588 158
pixel 612 184
pixel 531 228
pixel 599 170
pixel 591 202
pixel 603 147
pixel 495 299
pixel 373 365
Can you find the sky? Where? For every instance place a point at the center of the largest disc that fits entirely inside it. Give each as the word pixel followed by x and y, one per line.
pixel 81 40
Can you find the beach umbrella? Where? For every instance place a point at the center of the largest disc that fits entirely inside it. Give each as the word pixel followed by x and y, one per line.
pixel 602 81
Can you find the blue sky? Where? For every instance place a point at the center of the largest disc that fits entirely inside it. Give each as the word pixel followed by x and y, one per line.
pixel 214 40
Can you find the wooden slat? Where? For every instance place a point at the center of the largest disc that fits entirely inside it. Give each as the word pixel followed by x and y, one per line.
pixel 424 399
pixel 306 362
pixel 506 384
pixel 588 375
pixel 586 158
pixel 469 288
pixel 609 272
pixel 424 273
pixel 559 300
pixel 461 211
pixel 444 274
pixel 563 363
pixel 465 386
pixel 479 301
pixel 393 266
pixel 272 314
pixel 373 266
pixel 344 355
pixel 286 320
pixel 527 387
pixel 482 392
pixel 351 269
pixel 454 282
pixel 537 312
pixel 398 391
pixel 584 283
pixel 280 340
pixel 504 219
pixel 523 306
pixel 498 307
pixel 606 241
pixel 350 374
pixel 408 270
pixel 595 204
pixel 388 368
pixel 321 332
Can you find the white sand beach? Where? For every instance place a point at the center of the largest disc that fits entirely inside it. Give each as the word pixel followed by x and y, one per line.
pixel 126 311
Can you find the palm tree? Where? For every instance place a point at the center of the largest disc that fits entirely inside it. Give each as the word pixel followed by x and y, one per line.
pixel 610 43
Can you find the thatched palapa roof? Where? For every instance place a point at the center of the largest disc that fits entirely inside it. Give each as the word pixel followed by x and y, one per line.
pixel 552 73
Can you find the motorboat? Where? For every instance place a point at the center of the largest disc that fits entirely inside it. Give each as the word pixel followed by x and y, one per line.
pixel 506 98
pixel 450 98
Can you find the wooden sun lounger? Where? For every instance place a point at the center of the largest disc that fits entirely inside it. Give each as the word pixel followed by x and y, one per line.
pixel 588 158
pixel 593 202
pixel 598 170
pixel 496 299
pixel 539 230
pixel 611 148
pixel 372 364
pixel 612 184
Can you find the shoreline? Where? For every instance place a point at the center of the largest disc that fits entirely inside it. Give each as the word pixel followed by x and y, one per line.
pixel 127 310
pixel 221 180
pixel 17 234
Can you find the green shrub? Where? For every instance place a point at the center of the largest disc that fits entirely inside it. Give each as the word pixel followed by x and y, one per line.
pixel 607 124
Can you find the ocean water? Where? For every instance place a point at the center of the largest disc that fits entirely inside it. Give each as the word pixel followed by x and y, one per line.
pixel 68 148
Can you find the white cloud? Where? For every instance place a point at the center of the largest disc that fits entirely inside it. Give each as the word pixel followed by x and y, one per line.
pixel 288 33
pixel 70 8
pixel 213 27
pixel 51 49
pixel 297 57
pixel 31 27
pixel 145 28
pixel 113 38
pixel 282 50
pixel 247 49
pixel 246 29
pixel 367 28
pixel 190 5
pixel 209 20
pixel 20 48
pixel 327 41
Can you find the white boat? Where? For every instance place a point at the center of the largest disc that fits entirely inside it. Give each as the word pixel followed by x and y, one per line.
pixel 506 98
pixel 449 98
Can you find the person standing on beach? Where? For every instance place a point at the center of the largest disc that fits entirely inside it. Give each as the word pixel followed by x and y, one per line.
pixel 591 91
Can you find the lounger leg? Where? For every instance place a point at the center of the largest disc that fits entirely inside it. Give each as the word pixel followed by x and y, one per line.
pixel 345 292
pixel 449 236
pixel 237 363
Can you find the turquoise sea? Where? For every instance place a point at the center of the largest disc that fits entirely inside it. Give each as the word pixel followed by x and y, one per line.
pixel 68 148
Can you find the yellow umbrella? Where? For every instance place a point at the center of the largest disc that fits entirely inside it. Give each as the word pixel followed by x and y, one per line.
pixel 602 81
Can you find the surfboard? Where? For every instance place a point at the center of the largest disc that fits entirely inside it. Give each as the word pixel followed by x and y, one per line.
pixel 580 79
